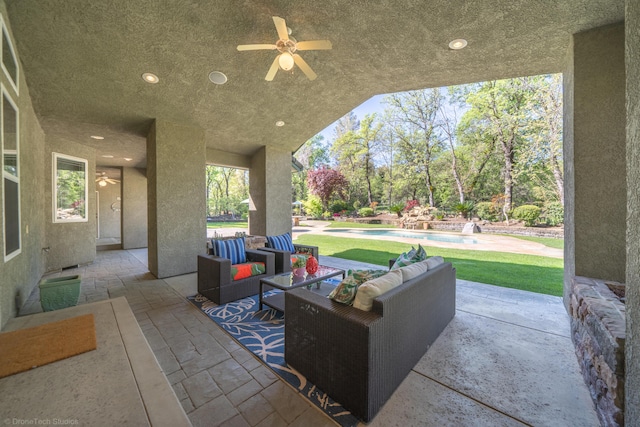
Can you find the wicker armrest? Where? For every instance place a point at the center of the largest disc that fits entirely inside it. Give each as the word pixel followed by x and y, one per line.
pixel 267 258
pixel 313 250
pixel 219 269
pixel 282 259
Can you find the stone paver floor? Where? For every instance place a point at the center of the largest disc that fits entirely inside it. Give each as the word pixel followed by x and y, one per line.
pixel 497 363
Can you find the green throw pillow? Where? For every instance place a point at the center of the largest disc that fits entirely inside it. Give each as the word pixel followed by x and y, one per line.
pixel 345 292
pixel 411 257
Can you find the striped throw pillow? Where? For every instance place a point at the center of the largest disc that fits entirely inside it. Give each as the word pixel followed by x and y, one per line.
pixel 282 242
pixel 230 249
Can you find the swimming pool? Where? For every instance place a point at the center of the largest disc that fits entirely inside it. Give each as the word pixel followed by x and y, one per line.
pixel 446 238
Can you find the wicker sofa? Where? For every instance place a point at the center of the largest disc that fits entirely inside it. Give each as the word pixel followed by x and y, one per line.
pixel 283 258
pixel 358 357
pixel 215 282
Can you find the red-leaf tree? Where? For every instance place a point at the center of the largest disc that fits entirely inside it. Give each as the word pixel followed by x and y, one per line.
pixel 325 183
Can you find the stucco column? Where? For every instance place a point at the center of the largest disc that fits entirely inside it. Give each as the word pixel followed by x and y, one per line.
pixel 270 192
pixel 176 198
pixel 632 345
pixel 595 152
pixel 134 208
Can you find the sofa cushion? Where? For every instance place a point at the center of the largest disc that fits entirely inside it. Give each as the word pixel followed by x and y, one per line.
pixel 282 242
pixel 232 249
pixel 414 270
pixel 247 269
pixel 434 261
pixel 411 257
pixel 345 292
pixel 376 287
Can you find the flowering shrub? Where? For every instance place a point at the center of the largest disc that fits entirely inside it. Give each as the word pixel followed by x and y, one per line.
pixel 411 204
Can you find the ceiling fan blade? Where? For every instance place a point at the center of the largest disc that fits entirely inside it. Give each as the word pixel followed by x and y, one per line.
pixel 304 67
pixel 98 179
pixel 256 47
pixel 314 45
pixel 111 181
pixel 273 70
pixel 281 28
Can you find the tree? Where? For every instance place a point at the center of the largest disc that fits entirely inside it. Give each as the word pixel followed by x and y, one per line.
pixel 326 183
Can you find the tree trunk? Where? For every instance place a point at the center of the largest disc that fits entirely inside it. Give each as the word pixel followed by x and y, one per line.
pixel 507 149
pixel 430 188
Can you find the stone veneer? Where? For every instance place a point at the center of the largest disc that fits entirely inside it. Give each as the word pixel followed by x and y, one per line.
pixel 598 333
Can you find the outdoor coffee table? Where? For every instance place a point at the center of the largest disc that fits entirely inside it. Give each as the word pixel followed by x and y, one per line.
pixel 288 281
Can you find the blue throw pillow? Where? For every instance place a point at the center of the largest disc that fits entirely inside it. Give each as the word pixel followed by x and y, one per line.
pixel 230 249
pixel 282 242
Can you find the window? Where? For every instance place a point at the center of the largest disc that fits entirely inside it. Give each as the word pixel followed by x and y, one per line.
pixel 11 176
pixel 70 189
pixel 9 62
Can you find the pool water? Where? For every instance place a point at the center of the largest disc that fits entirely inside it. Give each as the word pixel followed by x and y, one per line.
pixel 447 238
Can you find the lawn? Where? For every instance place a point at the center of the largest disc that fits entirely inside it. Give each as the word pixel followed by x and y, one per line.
pixel 526 272
pixel 341 224
pixel 237 224
pixel 547 241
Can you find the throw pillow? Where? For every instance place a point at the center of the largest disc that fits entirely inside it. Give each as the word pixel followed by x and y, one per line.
pixel 411 257
pixel 434 261
pixel 282 242
pixel 414 270
pixel 376 287
pixel 345 292
pixel 230 249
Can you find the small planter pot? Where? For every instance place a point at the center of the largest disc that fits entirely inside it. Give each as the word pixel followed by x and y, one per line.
pixel 299 272
pixel 59 292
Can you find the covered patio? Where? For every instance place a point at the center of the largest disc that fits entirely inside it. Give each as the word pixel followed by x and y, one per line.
pixel 72 72
pixel 506 358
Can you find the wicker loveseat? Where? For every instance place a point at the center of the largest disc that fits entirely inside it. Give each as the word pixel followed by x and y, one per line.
pixel 358 357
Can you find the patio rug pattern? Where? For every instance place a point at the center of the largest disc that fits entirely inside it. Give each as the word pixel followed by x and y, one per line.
pixel 262 333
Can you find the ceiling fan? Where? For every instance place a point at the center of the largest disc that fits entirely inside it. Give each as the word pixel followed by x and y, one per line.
pixel 287 46
pixel 103 179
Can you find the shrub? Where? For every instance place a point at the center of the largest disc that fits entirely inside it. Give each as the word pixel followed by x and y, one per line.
pixel 411 204
pixel 313 207
pixel 365 212
pixel 528 213
pixel 486 211
pixel 356 205
pixel 553 213
pixel 397 208
pixel 327 215
pixel 464 208
pixel 338 206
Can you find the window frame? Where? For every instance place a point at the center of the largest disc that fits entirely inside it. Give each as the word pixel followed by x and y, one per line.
pixel 54 192
pixel 4 34
pixel 9 176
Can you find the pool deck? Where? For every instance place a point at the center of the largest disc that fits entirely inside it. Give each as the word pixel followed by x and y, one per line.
pixel 486 242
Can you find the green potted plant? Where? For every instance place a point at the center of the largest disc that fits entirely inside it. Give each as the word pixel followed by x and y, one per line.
pixel 298 266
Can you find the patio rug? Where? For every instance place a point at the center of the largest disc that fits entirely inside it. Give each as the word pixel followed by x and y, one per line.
pixel 262 333
pixel 29 348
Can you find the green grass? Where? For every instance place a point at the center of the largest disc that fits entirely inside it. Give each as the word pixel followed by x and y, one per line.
pixel 547 241
pixel 526 272
pixel 237 224
pixel 340 224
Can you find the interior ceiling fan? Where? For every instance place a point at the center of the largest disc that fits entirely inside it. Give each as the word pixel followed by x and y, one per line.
pixel 287 46
pixel 103 179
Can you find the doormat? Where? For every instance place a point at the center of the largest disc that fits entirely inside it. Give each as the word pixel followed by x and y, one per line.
pixel 29 348
pixel 262 333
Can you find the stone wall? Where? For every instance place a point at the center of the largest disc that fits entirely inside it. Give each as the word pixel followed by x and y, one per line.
pixel 598 333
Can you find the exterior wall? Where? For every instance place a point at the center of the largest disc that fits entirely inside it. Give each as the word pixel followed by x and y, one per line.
pixel 230 160
pixel 569 178
pixel 134 208
pixel 109 219
pixel 176 198
pixel 71 243
pixel 632 345
pixel 599 152
pixel 270 189
pixel 21 274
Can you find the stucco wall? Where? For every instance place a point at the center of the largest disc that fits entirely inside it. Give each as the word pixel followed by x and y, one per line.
pixel 71 243
pixel 569 177
pixel 176 198
pixel 134 208
pixel 599 152
pixel 109 218
pixel 632 347
pixel 21 274
pixel 270 189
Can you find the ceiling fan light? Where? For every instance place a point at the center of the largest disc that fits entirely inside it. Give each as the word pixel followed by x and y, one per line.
pixel 286 61
pixel 102 183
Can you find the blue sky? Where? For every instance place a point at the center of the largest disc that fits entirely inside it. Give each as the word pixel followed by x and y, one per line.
pixel 373 105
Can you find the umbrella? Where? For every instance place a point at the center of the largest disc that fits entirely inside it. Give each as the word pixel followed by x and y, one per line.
pixel 245 201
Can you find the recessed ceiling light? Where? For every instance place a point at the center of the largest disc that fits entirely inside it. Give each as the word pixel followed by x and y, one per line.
pixel 97 137
pixel 128 159
pixel 150 78
pixel 108 156
pixel 217 77
pixel 279 123
pixel 457 44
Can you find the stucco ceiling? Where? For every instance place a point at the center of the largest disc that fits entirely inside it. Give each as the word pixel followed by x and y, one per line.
pixel 83 61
